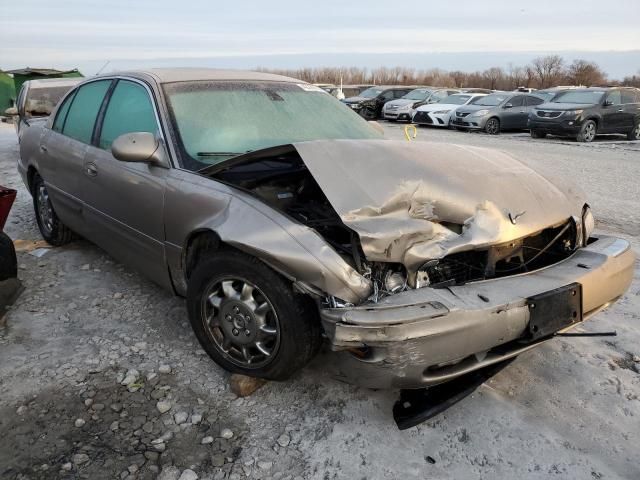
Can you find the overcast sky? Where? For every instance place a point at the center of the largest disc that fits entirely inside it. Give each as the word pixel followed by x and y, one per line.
pixel 87 33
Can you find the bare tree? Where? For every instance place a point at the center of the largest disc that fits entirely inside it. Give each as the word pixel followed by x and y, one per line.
pixel 493 75
pixel 548 69
pixel 583 72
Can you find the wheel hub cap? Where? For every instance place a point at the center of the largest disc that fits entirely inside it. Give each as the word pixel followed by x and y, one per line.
pixel 241 322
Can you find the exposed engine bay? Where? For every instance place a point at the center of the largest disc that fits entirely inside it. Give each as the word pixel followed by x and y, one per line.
pixel 285 183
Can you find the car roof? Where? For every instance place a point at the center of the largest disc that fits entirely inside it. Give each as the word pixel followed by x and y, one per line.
pixel 169 75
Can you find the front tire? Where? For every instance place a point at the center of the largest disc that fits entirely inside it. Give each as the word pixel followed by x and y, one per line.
pixel 248 318
pixel 537 134
pixel 51 227
pixel 492 127
pixel 588 132
pixel 634 134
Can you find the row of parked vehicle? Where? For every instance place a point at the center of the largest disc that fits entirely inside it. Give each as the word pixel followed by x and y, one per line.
pixel 578 112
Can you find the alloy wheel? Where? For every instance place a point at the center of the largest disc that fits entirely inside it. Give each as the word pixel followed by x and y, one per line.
pixel 492 126
pixel 589 132
pixel 636 132
pixel 45 211
pixel 241 322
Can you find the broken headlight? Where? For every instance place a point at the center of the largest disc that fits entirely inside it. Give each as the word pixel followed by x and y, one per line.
pixel 588 224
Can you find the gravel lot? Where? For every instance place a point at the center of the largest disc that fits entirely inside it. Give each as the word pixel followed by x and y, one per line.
pixel 101 376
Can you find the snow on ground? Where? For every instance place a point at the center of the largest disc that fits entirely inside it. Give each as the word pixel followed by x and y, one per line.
pixel 570 409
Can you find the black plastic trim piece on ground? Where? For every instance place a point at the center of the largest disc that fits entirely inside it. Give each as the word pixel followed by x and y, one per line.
pixel 417 406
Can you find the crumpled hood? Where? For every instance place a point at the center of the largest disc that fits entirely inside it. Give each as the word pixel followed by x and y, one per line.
pixel 401 197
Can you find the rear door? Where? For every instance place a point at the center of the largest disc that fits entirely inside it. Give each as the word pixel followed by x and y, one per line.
pixel 124 200
pixel 64 146
pixel 613 116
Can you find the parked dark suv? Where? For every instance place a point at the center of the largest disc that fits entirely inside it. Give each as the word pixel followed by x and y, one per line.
pixel 583 113
pixel 370 102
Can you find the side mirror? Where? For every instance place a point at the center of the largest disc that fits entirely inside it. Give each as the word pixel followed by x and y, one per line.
pixel 608 103
pixel 376 126
pixel 508 105
pixel 11 112
pixel 140 147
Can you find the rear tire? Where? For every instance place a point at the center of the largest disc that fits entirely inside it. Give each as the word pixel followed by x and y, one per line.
pixel 588 132
pixel 537 134
pixel 492 127
pixel 51 227
pixel 634 134
pixel 248 318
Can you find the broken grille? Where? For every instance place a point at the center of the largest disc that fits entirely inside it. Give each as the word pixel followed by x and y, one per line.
pixel 528 254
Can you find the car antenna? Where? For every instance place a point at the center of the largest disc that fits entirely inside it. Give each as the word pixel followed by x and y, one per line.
pixel 103 67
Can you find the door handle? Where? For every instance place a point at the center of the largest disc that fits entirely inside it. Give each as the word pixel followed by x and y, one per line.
pixel 43 148
pixel 91 169
pixel 621 109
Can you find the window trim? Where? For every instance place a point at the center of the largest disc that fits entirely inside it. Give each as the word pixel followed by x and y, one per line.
pixel 154 105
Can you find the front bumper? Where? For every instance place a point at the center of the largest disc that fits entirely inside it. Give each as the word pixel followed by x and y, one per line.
pixel 398 115
pixel 469 122
pixel 555 126
pixel 428 336
pixel 431 119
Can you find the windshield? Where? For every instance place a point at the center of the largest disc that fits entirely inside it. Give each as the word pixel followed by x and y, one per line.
pixel 417 94
pixel 492 100
pixel 219 120
pixel 371 92
pixel 546 96
pixel 577 96
pixel 455 99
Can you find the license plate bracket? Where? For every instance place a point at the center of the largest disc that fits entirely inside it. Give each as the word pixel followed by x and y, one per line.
pixel 554 310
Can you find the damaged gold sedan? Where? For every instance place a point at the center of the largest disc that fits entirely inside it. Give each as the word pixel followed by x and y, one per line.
pixel 284 217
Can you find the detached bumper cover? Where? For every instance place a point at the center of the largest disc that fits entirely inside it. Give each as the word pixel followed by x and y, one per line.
pixel 427 336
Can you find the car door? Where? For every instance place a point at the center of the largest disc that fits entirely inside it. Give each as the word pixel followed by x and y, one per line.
pixel 631 105
pixel 63 148
pixel 613 115
pixel 532 102
pixel 514 113
pixel 124 201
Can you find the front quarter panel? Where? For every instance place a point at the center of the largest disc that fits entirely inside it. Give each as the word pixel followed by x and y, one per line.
pixel 195 203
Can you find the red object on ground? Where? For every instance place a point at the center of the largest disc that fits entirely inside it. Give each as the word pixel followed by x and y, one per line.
pixel 7 196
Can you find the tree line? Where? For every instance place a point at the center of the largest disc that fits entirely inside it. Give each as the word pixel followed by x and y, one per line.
pixel 543 72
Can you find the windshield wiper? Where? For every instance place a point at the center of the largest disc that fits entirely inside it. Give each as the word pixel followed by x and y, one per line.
pixel 220 154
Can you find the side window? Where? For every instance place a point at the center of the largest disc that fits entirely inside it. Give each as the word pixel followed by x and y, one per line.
pixel 129 110
pixel 531 100
pixel 517 101
pixel 614 97
pixel 400 93
pixel 388 95
pixel 84 110
pixel 630 96
pixel 61 115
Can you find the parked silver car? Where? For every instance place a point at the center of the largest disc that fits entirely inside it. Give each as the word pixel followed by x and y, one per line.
pixel 404 108
pixel 283 217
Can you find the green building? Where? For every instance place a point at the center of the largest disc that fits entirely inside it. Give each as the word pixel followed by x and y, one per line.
pixel 11 81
